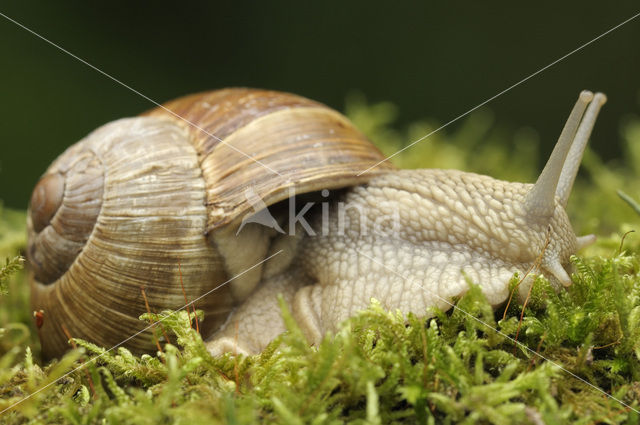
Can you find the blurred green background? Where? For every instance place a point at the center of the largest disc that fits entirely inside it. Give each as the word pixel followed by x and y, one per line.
pixel 432 60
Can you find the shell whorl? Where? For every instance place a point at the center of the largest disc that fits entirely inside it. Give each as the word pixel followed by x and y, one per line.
pixel 145 223
pixel 64 209
pixel 292 142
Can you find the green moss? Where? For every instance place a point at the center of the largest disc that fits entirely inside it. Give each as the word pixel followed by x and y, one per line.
pixel 379 368
pixel 461 366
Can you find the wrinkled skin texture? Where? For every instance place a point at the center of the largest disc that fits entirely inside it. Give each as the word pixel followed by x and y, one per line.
pixel 410 239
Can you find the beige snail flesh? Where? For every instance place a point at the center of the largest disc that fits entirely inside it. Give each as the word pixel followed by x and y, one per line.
pixel 444 228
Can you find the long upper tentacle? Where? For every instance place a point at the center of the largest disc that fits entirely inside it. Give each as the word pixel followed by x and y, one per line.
pixel 574 157
pixel 541 199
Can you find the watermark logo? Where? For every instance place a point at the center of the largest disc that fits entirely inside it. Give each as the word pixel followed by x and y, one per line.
pixel 332 215
pixel 261 214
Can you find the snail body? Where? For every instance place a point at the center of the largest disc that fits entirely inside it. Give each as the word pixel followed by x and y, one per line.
pixel 142 202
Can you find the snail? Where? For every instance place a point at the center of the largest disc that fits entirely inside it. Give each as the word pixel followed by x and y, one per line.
pixel 259 195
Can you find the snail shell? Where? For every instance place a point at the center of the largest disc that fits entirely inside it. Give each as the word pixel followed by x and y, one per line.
pixel 145 202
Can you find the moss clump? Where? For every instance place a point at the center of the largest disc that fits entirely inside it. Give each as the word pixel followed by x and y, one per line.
pixel 379 368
